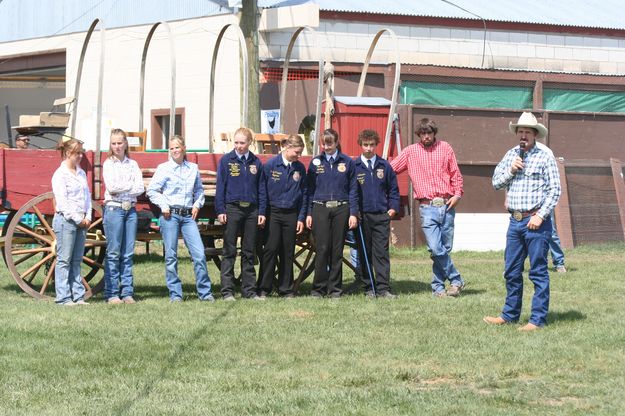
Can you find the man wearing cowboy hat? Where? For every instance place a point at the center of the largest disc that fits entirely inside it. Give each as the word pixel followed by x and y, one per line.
pixel 530 177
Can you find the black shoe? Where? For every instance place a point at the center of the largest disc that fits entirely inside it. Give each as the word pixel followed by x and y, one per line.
pixel 370 294
pixel 387 295
pixel 335 296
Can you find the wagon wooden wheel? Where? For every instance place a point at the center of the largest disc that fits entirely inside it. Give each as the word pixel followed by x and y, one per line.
pixel 30 249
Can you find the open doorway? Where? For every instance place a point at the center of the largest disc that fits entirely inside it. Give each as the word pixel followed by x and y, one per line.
pixel 29 84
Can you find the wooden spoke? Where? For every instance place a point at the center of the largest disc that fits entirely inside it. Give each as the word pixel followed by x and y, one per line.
pixel 95 243
pixel 44 222
pixel 87 287
pixel 24 258
pixel 48 278
pixel 33 234
pixel 36 266
pixel 92 263
pixel 34 274
pixel 31 250
pixel 95 223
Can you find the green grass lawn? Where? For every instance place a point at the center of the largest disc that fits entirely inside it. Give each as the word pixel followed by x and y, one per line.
pixel 412 356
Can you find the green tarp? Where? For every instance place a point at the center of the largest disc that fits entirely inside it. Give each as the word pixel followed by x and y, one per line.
pixel 592 101
pixel 466 95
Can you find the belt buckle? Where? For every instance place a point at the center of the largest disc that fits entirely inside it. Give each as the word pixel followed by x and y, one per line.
pixel 438 202
pixel 244 204
pixel 332 204
pixel 517 215
pixel 126 205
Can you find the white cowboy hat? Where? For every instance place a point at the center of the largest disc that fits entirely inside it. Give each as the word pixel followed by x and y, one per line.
pixel 528 119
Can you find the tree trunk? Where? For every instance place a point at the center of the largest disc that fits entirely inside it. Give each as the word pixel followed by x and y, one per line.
pixel 249 26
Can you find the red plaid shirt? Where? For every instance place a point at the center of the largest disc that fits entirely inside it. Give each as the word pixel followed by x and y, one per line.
pixel 433 170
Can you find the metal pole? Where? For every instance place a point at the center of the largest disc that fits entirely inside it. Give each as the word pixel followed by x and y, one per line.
pixel 364 252
pixel 211 86
pixel 8 117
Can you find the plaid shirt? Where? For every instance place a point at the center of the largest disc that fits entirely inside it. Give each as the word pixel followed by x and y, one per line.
pixel 433 170
pixel 537 186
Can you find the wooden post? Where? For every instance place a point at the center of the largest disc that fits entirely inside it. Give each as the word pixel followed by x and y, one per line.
pixel 619 189
pixel 563 211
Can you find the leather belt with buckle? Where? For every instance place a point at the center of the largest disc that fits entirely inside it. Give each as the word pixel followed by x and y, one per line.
pixel 330 204
pixel 519 215
pixel 125 205
pixel 435 202
pixel 185 212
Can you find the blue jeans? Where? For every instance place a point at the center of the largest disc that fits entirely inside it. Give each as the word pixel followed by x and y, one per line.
pixel 557 255
pixel 350 238
pixel 70 247
pixel 120 228
pixel 438 226
pixel 170 230
pixel 522 242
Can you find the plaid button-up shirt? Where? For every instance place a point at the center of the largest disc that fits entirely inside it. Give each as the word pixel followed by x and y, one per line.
pixel 433 170
pixel 536 186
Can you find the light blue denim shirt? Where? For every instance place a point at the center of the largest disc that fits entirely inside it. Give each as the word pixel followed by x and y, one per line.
pixel 175 185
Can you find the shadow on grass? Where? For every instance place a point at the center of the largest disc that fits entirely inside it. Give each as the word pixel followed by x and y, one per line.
pixel 178 353
pixel 13 287
pixel 567 316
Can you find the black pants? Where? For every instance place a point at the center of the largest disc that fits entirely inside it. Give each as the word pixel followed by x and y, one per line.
pixel 376 229
pixel 329 228
pixel 280 243
pixel 244 222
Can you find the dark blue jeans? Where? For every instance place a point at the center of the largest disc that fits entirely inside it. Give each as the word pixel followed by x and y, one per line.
pixel 522 242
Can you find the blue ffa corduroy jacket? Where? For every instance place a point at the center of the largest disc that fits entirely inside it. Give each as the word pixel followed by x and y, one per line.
pixel 377 190
pixel 332 183
pixel 238 182
pixel 285 188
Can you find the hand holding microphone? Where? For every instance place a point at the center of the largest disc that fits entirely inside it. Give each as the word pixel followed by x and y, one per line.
pixel 517 165
pixel 522 150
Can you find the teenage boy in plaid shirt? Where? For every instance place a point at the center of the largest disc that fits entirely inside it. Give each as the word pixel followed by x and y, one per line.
pixel 437 185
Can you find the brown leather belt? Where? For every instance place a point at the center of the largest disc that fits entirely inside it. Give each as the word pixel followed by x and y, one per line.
pixel 519 215
pixel 436 202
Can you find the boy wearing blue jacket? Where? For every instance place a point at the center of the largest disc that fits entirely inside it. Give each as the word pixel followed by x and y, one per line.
pixel 379 202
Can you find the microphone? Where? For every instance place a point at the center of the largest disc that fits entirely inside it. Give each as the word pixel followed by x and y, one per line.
pixel 522 150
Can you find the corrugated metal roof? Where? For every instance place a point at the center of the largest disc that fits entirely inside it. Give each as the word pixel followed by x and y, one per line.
pixel 26 19
pixel 607 14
